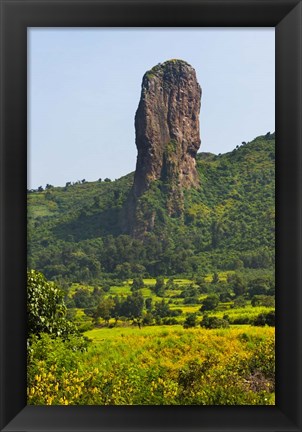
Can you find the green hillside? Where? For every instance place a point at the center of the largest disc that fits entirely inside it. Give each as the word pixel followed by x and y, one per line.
pixel 77 232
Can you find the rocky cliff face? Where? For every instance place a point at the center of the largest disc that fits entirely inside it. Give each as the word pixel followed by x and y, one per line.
pixel 167 140
pixel 167 128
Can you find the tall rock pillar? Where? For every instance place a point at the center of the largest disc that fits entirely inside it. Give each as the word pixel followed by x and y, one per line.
pixel 167 140
pixel 167 127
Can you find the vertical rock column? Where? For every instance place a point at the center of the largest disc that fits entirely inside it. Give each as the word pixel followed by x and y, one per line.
pixel 167 129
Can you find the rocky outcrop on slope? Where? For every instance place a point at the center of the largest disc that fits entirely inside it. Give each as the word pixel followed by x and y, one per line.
pixel 167 140
pixel 167 127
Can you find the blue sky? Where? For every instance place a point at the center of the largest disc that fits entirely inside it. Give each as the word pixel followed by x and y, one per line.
pixel 84 88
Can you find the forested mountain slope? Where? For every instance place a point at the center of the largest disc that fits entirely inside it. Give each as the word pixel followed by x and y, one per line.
pixel 78 232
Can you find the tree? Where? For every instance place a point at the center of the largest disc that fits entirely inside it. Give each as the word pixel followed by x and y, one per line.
pixel 191 300
pixel 209 303
pixel 170 284
pixel 203 289
pixel 148 304
pixel 161 309
pixel 83 299
pixel 225 297
pixel 213 322
pixel 215 278
pixel 237 284
pixel 189 291
pixel 46 310
pixel 190 321
pixel 106 286
pixel 263 300
pixel 200 280
pixel 259 286
pixel 133 306
pixel 148 319
pixel 159 287
pixel 217 229
pixel 105 309
pixel 260 320
pixel 123 271
pixel 96 294
pixel 137 284
pixel 270 318
pixel 265 318
pixel 239 302
pixel 116 311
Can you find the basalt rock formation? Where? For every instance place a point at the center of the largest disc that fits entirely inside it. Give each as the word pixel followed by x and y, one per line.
pixel 167 140
pixel 167 127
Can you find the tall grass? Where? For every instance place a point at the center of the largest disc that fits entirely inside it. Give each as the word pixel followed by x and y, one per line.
pixel 160 365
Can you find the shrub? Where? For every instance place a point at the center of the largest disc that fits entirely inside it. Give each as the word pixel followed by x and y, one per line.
pixel 83 299
pixel 239 302
pixel 263 300
pixel 225 297
pixel 214 322
pixel 191 300
pixel 209 303
pixel 190 321
pixel 175 312
pixel 137 284
pixel 265 318
pixel 148 319
pixel 46 310
pixel 169 321
pixel 170 367
pixel 241 320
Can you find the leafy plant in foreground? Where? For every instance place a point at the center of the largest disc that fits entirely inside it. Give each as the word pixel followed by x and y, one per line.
pixel 46 311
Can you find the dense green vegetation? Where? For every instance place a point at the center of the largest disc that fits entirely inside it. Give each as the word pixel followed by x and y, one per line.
pixel 205 361
pixel 156 366
pixel 181 314
pixel 145 336
pixel 76 233
pixel 173 301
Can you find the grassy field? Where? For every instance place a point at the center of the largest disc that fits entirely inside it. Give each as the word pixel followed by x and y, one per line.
pixel 242 313
pixel 159 365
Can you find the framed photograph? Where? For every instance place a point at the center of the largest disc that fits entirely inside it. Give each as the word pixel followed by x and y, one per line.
pixel 141 259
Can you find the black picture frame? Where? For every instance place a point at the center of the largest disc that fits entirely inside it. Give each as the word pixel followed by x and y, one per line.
pixel 16 16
